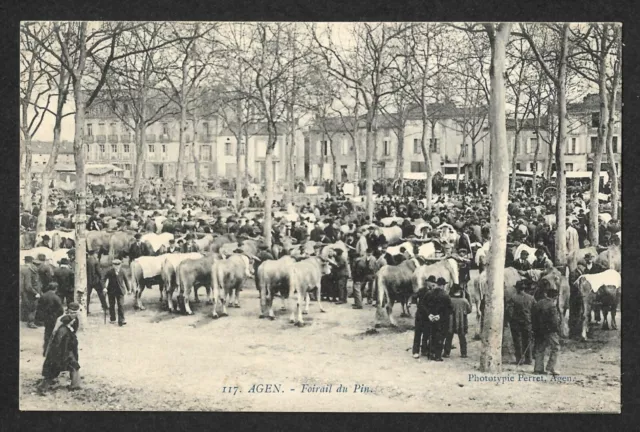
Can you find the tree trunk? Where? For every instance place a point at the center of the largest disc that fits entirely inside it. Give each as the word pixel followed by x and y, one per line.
pixel 534 190
pixel 334 167
pixel 268 199
pixel 246 156
pixel 356 149
pixel 46 177
pixel 427 160
pixel 238 169
pixel 550 158
pixel 292 159
pixel 28 160
pixel 183 128
pixel 458 161
pixel 140 166
pixel 561 183
pixel 400 160
pixel 514 162
pixel 369 164
pixel 613 172
pixel 491 356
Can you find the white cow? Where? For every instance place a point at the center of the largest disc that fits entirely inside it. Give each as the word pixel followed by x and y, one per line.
pixel 156 241
pixel 48 253
pixel 395 250
pixel 532 253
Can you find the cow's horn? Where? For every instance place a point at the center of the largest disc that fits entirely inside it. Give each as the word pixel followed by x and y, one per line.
pixel 255 258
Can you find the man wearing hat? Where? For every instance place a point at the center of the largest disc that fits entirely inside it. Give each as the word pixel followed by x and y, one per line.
pixel 546 329
pixel 116 286
pixel 30 290
pixel 94 280
pixel 541 262
pixel 61 353
pixel 522 263
pixel 518 315
pixel 65 279
pixel 438 308
pixel 172 249
pixel 49 309
pixel 458 323
pixel 191 245
pixel 591 267
pixel 138 248
pixel 421 331
pixel 45 271
pixel 44 242
pixel 341 273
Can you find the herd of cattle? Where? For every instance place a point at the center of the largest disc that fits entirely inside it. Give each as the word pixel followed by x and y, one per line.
pixel 225 262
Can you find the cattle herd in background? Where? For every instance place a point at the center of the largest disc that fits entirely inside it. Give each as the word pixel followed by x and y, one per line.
pixel 211 245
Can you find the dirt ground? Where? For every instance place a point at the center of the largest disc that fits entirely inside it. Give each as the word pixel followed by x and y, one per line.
pixel 161 361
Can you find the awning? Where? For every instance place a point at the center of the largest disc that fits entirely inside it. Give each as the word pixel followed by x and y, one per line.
pixel 414 175
pixel 453 177
pixel 449 165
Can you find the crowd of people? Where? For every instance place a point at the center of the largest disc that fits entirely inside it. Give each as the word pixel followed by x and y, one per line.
pixel 46 290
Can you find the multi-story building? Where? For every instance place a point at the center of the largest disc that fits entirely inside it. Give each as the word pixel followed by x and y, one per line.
pixel 584 118
pixel 41 152
pixel 445 144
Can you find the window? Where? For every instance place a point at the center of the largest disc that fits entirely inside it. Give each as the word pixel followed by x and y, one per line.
pixel 568 167
pixel 205 129
pixel 594 144
pixel 89 129
pixel 518 168
pixel 127 167
pixel 165 128
pixel 418 167
pixel 614 144
pixel 205 153
pixel 434 145
pixel 416 146
pixel 114 148
pixel 464 150
pixel 325 148
pixel 164 148
pixel 228 149
pixel 533 143
pixel 590 166
pixel 345 146
pixel 101 148
pixel 101 129
pixel 152 148
pixel 387 148
pixel 571 148
pixel 113 129
pixel 595 119
pixel 125 147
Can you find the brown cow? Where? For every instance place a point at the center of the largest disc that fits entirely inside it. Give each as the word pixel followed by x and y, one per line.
pixel 193 273
pixel 228 275
pixel 169 273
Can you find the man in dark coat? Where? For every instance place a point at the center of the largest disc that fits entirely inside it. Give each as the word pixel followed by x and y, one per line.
pixel 330 232
pixel 316 233
pixel 94 279
pixel 116 285
pixel 62 351
pixel 518 313
pixel 65 279
pixel 458 323
pixel 341 273
pixel 590 266
pixel 137 249
pixel 522 263
pixel 438 308
pixel 364 272
pixel 44 242
pixel 45 271
pixel 30 291
pixel 421 332
pixel 172 249
pixel 191 245
pixel 49 309
pixel 546 329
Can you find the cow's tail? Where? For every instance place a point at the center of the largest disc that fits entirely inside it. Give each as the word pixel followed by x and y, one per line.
pixel 135 286
pixel 383 299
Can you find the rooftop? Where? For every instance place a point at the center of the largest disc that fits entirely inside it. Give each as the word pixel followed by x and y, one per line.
pixel 45 147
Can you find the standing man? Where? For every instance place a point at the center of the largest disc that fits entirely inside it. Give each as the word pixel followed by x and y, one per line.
pixel 30 290
pixel 522 263
pixel 546 329
pixel 573 239
pixel 190 245
pixel 438 308
pixel 458 323
pixel 65 279
pixel 366 267
pixel 49 310
pixel 137 249
pixel 172 247
pixel 45 271
pixel 342 274
pixel 61 353
pixel 116 285
pixel 519 318
pixel 421 332
pixel 93 280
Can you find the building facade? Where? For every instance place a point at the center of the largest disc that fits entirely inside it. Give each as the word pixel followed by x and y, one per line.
pixel 584 118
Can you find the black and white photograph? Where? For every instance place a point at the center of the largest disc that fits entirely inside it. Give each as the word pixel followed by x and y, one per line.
pixel 267 216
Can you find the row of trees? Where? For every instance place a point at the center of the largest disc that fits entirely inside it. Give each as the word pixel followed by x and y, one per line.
pixel 351 75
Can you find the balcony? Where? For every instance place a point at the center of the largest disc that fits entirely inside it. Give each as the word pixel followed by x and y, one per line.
pixel 113 139
pixel 125 139
pixel 101 139
pixel 151 139
pixel 165 138
pixel 88 139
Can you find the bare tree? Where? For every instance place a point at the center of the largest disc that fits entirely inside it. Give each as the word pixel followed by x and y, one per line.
pixel 369 79
pixel 557 73
pixel 35 84
pixel 591 60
